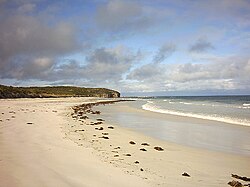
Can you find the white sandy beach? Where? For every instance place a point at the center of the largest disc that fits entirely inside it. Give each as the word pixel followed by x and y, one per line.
pixel 42 145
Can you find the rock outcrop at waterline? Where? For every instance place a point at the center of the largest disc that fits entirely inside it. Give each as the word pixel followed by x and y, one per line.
pixel 55 91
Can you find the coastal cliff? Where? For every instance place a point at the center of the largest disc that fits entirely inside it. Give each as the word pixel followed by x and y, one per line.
pixel 55 91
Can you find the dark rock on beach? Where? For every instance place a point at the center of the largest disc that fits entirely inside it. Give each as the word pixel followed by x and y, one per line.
pixel 132 142
pixel 235 183
pixel 185 174
pixel 240 177
pixel 145 144
pixel 158 148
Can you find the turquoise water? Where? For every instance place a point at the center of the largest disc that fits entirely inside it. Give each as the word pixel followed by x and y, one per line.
pixel 225 124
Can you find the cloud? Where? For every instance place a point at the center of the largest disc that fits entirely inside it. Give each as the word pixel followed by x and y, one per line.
pixel 26 8
pixel 29 46
pixel 164 52
pixel 201 45
pixel 102 66
pixel 124 18
pixel 216 74
pixel 145 72
pixel 118 13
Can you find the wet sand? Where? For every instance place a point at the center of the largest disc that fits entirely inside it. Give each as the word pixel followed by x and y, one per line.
pixel 187 131
pixel 44 142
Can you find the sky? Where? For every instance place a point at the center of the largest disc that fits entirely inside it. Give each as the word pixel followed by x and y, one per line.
pixel 138 47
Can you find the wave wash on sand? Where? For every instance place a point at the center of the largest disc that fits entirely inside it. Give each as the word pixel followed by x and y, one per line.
pixel 60 142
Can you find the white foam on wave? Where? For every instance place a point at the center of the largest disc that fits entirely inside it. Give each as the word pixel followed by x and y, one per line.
pixel 152 108
pixel 246 104
pixel 186 103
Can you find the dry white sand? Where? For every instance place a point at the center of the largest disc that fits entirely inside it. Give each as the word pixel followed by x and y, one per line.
pixel 41 145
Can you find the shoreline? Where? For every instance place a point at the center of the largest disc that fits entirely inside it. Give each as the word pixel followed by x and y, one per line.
pixel 93 157
pixel 192 132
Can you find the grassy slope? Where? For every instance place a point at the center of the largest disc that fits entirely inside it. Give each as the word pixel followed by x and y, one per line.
pixel 56 91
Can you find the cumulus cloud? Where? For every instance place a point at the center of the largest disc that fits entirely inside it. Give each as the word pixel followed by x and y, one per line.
pixel 102 67
pixel 201 45
pixel 103 64
pixel 224 73
pixel 29 46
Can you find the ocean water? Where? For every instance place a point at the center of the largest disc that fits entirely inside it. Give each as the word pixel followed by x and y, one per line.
pixel 219 123
pixel 229 109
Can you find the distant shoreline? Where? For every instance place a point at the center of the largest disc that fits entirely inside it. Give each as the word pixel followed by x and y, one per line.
pixel 7 92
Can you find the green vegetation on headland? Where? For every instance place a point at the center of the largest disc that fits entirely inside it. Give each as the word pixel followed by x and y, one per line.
pixel 55 91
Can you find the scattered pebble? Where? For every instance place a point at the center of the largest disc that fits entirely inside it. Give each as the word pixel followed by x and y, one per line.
pixel 141 169
pixel 110 127
pixel 142 149
pixel 116 155
pixel 29 123
pixel 136 162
